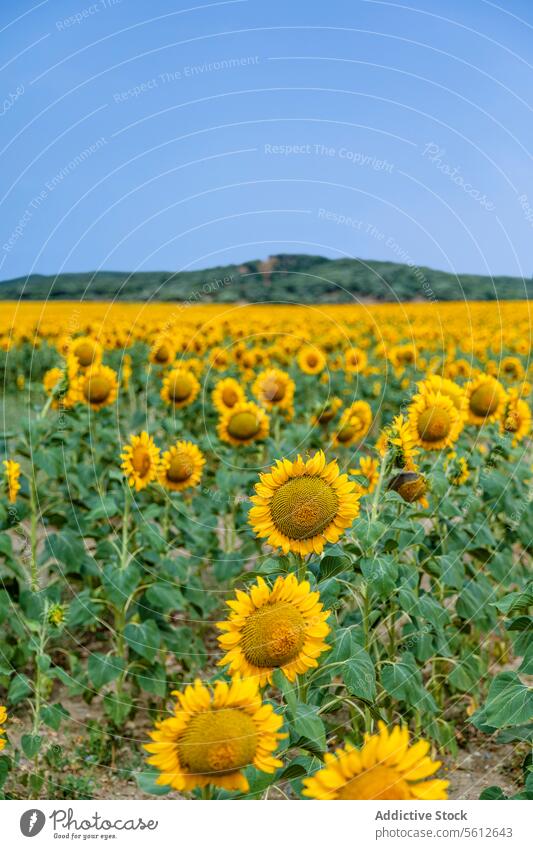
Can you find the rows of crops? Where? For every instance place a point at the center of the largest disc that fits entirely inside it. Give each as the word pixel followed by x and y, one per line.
pixel 263 551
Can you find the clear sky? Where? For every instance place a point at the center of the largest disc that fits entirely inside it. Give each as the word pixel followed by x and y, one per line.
pixel 172 135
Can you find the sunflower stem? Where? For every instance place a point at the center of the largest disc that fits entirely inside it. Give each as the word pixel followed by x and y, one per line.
pixel 34 577
pixel 377 494
pixel 125 527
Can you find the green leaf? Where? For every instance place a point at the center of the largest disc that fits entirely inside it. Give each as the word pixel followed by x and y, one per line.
pixel 359 675
pixel 144 638
pixel 330 566
pixel 165 597
pixel 31 744
pixel 153 680
pixel 117 708
pixel 403 681
pixel 52 715
pixel 104 668
pixel 308 724
pixel 381 574
pixel 509 701
pixel 19 688
pixel 67 548
pixel 492 794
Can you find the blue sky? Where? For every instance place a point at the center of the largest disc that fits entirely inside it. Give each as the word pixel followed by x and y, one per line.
pixel 169 135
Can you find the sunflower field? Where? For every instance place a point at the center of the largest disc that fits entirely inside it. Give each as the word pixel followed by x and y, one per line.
pixel 264 551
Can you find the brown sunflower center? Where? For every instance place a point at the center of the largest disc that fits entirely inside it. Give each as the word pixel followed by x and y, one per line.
pixel 434 424
pixel 218 741
pixel 347 432
pixel 229 396
pixel 312 360
pixel 273 390
pixel 303 507
pixel 180 469
pixel 243 425
pixel 179 387
pixel 97 389
pixel 273 635
pixel 141 460
pixel 484 400
pixel 85 353
pixel 162 354
pixel 380 782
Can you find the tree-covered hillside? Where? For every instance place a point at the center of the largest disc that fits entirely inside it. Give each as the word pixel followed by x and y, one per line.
pixel 284 277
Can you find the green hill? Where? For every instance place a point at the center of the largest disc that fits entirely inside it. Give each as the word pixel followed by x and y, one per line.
pixel 284 277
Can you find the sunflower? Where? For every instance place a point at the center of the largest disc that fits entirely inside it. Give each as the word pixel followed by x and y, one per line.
pixel 411 486
pixel 213 735
pixel 98 386
pixel 355 360
pixel 162 352
pixel 140 461
pixel 386 767
pixel 456 469
pixel 368 468
pixel 398 439
pixel 279 628
pixel 434 420
pixel 181 466
pixel 274 389
pixel 87 351
pixel 516 419
pixel 52 378
pixel 486 399
pixel 326 412
pixel 12 479
pixel 435 384
pixel 180 388
pixel 301 505
pixel 512 369
pixel 243 424
pixel 227 393
pixel 354 423
pixel 311 360
pixel 219 358
pixel 3 720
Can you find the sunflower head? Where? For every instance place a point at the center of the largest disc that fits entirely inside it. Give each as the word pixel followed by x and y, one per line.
pixel 213 735
pixel 279 628
pixel 456 469
pixel 243 424
pixel 87 351
pixel 516 419
pixel 486 399
pixel 434 420
pixel 227 393
pixel 386 767
pixel 273 389
pixel 140 461
pixel 354 424
pixel 311 360
pixel 301 505
pixel 355 360
pixel 411 486
pixel 98 387
pixel 326 412
pixel 181 466
pixel 163 351
pixel 180 388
